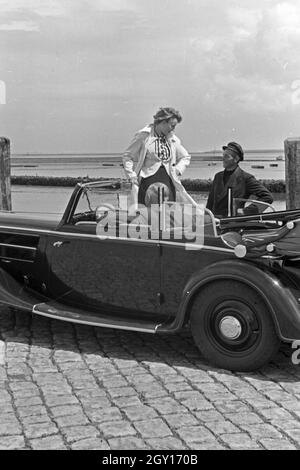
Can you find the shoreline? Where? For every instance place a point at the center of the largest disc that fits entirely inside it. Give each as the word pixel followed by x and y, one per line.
pixel 194 185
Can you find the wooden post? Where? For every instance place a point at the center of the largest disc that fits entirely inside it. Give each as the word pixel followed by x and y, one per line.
pixel 5 190
pixel 292 172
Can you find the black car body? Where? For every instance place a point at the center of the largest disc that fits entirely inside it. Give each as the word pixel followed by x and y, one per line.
pixel 239 290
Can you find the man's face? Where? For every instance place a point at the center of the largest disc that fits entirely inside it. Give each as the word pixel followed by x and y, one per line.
pixel 230 159
pixel 168 126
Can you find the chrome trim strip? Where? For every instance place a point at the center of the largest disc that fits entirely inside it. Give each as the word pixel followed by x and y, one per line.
pixel 18 246
pixel 7 259
pixel 86 235
pixel 101 325
pixel 87 222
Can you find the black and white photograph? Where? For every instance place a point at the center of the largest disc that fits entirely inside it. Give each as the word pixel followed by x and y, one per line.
pixel 149 228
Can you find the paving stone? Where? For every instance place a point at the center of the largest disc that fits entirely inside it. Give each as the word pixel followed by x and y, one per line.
pixel 275 414
pixel 12 443
pixel 193 401
pixel 48 443
pixel 96 403
pixel 294 434
pixel 293 388
pixel 179 420
pixel 115 381
pixel 6 408
pixel 65 410
pixel 90 444
pixel 141 412
pixel 8 418
pixel 123 402
pixel 231 407
pixel 75 433
pixel 212 445
pixel 91 393
pixel 154 392
pixel 261 431
pixel 211 388
pixel 49 378
pixel 36 419
pixel 194 375
pixel 117 428
pixel 244 418
pixel 26 394
pixel 77 419
pixel 56 400
pixel 222 427
pixel 167 406
pixel 25 402
pixel 178 386
pixel 195 434
pixel 10 428
pixel 262 403
pixel 209 415
pixel 278 396
pixel 33 431
pixel 152 428
pixel 277 444
pixel 18 385
pixel 127 443
pixel 239 441
pixel 166 443
pixel 122 392
pixel 291 405
pixel 100 415
pixel 56 390
pixel 286 424
pixel 36 410
pixel 5 397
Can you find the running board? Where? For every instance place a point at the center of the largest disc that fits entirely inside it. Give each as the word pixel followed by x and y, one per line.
pixel 58 311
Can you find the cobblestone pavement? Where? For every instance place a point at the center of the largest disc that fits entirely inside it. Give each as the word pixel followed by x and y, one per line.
pixel 76 387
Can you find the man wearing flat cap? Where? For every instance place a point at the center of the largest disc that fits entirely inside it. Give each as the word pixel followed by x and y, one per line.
pixel 243 184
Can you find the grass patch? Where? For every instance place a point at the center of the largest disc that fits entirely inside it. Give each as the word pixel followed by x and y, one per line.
pixel 191 185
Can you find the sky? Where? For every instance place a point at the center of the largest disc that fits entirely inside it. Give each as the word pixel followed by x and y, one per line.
pixel 85 75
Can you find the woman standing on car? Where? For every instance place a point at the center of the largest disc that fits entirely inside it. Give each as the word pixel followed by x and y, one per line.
pixel 155 158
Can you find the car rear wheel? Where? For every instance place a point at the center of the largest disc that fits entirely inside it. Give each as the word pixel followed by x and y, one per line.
pixel 232 326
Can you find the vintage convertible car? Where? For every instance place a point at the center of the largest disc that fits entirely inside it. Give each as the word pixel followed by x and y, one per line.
pixel 237 285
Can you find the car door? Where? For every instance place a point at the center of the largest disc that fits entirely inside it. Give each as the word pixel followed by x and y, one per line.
pixel 114 273
pixel 185 252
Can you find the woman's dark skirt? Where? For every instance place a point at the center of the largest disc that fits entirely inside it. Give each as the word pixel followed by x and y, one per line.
pixel 161 176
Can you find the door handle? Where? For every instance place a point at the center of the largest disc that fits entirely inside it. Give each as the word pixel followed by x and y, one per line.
pixel 59 243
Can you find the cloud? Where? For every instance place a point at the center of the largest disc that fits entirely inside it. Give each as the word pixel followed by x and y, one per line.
pixel 112 5
pixel 19 26
pixel 249 60
pixel 39 7
pixel 237 57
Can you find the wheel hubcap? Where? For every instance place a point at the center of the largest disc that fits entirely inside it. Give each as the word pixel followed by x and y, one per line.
pixel 230 327
pixel 233 326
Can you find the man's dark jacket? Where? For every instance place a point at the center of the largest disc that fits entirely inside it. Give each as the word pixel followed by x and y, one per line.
pixel 243 186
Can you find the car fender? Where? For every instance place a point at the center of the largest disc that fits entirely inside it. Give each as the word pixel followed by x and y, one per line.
pixel 281 302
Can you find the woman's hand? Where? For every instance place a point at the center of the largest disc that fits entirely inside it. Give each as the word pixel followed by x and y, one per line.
pixel 134 180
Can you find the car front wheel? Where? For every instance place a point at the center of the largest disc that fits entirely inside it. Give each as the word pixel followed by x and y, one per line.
pixel 232 326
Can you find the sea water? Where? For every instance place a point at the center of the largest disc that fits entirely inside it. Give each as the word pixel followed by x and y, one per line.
pixel 267 164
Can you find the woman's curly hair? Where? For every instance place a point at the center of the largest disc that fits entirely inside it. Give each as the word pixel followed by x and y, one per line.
pixel 164 114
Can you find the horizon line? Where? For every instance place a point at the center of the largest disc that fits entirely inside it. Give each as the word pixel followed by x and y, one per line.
pixel 266 150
